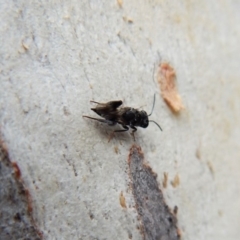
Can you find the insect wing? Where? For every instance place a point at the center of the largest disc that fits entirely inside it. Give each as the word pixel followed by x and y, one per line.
pixel 114 104
pixel 107 110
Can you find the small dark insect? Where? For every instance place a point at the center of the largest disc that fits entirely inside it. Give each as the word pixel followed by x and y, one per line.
pixel 112 113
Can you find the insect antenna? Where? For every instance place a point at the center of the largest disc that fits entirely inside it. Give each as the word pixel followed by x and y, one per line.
pixel 153 104
pixel 154 97
pixel 156 124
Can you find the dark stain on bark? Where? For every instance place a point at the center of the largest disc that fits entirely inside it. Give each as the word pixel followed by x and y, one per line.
pixel 16 220
pixel 158 222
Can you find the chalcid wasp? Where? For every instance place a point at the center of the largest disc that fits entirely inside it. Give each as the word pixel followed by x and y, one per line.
pixel 128 117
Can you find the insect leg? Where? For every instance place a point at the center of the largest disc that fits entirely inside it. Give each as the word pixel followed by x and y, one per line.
pixel 122 130
pixel 133 131
pixel 95 102
pixel 101 120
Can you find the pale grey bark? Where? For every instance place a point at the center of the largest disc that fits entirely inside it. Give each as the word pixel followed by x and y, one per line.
pixel 56 56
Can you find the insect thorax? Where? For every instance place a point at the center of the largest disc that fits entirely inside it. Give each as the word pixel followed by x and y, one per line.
pixel 133 117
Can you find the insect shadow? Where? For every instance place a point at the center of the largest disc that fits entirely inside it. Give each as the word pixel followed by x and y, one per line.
pixel 127 117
